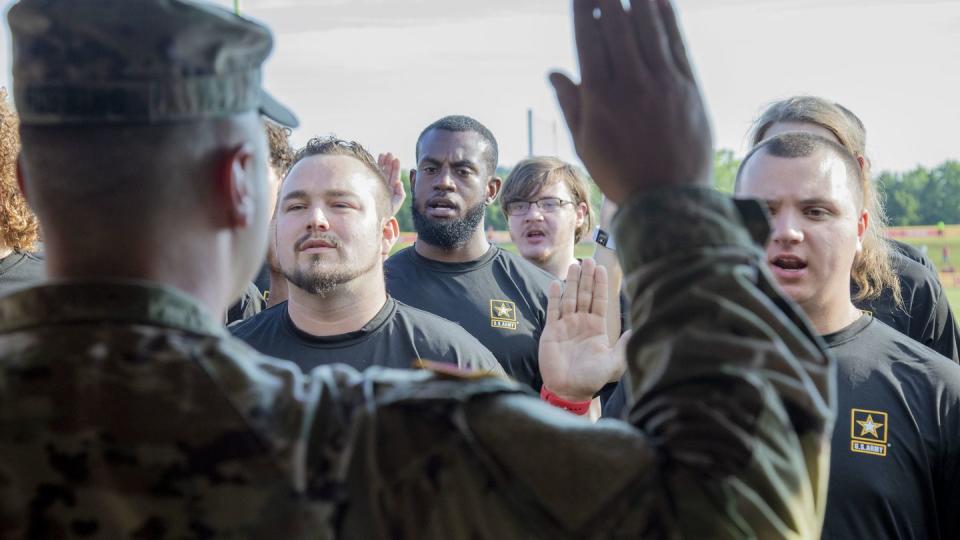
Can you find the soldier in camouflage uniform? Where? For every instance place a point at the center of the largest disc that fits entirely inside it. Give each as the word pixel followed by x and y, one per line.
pixel 126 411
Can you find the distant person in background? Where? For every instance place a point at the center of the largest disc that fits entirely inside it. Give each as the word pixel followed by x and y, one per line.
pixel 452 270
pixel 20 263
pixel 334 227
pixel 889 279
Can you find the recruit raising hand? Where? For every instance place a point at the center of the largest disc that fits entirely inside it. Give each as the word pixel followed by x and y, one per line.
pixel 575 355
pixel 390 167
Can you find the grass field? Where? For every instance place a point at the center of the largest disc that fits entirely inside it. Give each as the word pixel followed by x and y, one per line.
pixel 935 245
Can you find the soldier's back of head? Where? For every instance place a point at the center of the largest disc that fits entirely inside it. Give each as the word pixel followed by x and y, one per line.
pixel 126 409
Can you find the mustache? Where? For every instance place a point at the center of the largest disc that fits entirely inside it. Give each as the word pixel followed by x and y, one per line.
pixel 322 237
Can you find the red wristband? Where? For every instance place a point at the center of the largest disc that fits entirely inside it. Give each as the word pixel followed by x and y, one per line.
pixel 576 407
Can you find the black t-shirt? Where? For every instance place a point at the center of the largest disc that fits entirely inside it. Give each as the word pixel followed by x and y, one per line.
pixel 394 338
pixel 895 456
pixel 913 254
pixel 500 298
pixel 20 270
pixel 926 315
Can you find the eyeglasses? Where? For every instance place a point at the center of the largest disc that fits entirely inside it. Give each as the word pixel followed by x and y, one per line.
pixel 547 205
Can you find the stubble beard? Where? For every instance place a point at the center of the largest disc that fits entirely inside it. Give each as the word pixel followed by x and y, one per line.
pixel 323 282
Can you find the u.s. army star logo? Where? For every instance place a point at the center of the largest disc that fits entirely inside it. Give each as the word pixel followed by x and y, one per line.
pixel 868 432
pixel 503 314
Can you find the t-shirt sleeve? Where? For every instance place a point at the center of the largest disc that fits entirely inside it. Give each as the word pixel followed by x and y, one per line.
pixel 474 356
pixel 464 349
pixel 944 334
pixel 947 393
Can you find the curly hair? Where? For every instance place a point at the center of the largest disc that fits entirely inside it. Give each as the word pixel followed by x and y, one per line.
pixel 18 226
pixel 281 153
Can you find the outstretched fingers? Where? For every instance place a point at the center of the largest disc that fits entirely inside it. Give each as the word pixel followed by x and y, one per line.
pixel 570 291
pixel 585 290
pixel 600 296
pixel 554 297
pixel 651 37
pixel 620 43
pixel 568 96
pixel 594 62
pixel 678 49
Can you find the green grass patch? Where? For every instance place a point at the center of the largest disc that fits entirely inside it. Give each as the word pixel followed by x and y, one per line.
pixel 934 248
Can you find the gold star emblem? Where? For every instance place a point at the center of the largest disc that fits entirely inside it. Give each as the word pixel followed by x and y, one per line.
pixel 869 426
pixel 503 314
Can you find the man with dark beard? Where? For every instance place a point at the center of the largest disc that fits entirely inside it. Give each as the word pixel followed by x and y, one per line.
pixel 334 227
pixel 452 270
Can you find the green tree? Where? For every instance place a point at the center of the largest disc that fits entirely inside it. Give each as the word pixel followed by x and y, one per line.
pixel 921 196
pixel 725 167
pixel 900 202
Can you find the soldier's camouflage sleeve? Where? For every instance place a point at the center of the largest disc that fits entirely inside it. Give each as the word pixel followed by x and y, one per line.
pixel 126 411
pixel 729 414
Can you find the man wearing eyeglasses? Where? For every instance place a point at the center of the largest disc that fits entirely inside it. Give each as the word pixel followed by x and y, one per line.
pixel 452 270
pixel 547 205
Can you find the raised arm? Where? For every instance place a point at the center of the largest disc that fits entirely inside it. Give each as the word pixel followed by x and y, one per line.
pixel 730 394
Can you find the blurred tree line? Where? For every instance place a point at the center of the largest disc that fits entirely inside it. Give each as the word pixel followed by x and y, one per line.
pixel 917 197
pixel 922 196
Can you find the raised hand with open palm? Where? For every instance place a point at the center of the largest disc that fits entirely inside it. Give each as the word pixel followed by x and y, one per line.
pixel 576 358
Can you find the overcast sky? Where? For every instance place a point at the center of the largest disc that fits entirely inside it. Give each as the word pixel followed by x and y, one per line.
pixel 378 71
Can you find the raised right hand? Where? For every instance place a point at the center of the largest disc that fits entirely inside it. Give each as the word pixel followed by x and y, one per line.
pixel 637 117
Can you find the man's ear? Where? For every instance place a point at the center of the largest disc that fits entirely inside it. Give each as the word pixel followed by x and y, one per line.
pixel 581 213
pixel 413 179
pixel 493 188
pixel 862 224
pixel 236 186
pixel 391 233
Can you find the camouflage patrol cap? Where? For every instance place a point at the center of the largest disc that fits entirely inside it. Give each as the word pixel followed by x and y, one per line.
pixel 136 61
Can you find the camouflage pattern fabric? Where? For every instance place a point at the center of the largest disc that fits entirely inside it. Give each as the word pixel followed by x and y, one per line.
pixel 128 412
pixel 137 61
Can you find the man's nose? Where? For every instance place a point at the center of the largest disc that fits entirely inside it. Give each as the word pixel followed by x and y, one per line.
pixel 444 180
pixel 786 229
pixel 318 220
pixel 535 213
